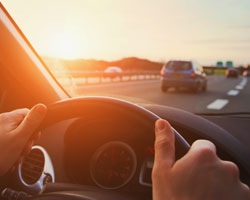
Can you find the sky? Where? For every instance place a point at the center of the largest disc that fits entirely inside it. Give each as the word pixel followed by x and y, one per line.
pixel 201 30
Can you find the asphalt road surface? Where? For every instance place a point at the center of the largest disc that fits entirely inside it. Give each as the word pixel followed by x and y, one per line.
pixel 223 95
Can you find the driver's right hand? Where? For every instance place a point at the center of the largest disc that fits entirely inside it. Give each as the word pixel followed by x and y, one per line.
pixel 200 174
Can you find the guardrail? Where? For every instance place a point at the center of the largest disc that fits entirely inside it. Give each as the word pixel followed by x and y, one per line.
pixel 68 78
pixel 85 78
pixel 212 70
pixel 213 67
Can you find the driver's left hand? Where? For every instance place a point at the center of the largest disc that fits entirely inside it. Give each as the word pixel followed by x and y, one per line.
pixel 18 131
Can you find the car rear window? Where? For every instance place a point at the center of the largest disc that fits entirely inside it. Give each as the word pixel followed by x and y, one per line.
pixel 178 65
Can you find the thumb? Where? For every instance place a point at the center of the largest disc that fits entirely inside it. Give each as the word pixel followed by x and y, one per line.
pixel 164 143
pixel 32 120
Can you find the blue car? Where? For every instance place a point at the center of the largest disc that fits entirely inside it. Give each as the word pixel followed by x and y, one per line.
pixel 183 74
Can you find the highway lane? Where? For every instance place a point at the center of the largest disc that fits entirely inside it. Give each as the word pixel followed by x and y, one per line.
pixel 223 94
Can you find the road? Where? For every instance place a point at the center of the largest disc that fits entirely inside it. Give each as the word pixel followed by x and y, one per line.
pixel 222 96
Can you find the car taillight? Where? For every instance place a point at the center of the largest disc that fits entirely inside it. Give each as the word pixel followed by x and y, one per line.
pixel 192 75
pixel 163 71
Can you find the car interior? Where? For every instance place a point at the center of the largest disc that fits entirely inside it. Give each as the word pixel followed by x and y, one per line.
pixel 83 136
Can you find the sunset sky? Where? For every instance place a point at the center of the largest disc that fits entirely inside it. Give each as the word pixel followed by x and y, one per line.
pixel 206 31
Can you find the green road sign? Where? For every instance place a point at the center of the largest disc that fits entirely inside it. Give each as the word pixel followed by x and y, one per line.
pixel 219 64
pixel 229 64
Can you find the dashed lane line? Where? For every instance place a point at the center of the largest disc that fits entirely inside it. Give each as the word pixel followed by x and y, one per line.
pixel 218 104
pixel 239 87
pixel 242 84
pixel 233 92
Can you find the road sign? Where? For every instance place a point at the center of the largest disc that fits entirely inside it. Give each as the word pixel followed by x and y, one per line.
pixel 219 64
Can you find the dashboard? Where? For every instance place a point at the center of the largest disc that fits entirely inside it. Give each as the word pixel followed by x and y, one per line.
pixel 118 158
pixel 113 153
pixel 110 158
pixel 113 165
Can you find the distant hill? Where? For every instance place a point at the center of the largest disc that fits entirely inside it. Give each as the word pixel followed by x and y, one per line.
pixel 126 64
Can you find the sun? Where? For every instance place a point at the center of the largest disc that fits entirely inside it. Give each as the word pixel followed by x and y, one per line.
pixel 65 46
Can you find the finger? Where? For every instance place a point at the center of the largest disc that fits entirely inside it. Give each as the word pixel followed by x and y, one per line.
pixel 36 136
pixel 231 169
pixel 17 116
pixel 27 148
pixel 203 144
pixel 164 143
pixel 32 120
pixel 14 117
pixel 19 161
pixel 19 112
pixel 245 191
pixel 14 166
pixel 203 150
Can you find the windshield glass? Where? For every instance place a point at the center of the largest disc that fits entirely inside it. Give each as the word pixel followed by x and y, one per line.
pixel 118 49
pixel 178 65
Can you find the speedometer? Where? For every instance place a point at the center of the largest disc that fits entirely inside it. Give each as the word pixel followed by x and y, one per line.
pixel 113 165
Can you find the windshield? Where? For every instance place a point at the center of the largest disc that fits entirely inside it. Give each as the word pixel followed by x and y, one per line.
pixel 178 65
pixel 119 49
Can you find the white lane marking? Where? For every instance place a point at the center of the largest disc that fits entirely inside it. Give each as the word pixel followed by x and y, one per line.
pixel 217 104
pixel 233 92
pixel 242 84
pixel 239 87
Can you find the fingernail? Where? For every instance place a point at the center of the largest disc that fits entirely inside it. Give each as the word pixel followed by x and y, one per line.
pixel 41 108
pixel 36 136
pixel 160 125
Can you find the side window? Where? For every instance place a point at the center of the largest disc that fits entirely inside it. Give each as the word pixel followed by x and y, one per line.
pixel 196 68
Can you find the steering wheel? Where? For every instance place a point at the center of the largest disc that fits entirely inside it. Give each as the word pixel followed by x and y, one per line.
pixel 79 107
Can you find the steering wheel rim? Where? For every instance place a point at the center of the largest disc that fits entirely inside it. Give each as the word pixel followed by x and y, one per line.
pixel 77 107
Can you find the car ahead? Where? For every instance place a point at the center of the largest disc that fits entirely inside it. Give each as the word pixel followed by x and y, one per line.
pixel 113 69
pixel 113 72
pixel 181 74
pixel 246 73
pixel 69 160
pixel 231 72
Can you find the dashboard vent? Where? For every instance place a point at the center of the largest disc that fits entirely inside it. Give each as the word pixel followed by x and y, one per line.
pixel 32 166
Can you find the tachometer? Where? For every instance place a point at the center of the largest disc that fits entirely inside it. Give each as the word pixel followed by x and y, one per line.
pixel 113 165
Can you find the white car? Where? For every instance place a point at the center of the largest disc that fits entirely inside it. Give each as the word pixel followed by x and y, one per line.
pixel 113 69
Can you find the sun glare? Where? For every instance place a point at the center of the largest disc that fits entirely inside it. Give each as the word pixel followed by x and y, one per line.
pixel 65 46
